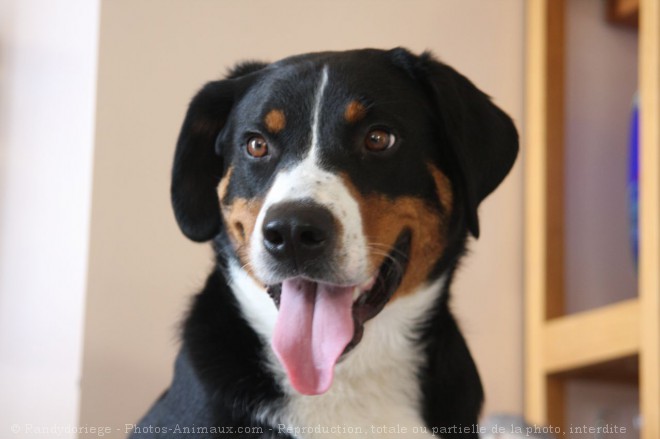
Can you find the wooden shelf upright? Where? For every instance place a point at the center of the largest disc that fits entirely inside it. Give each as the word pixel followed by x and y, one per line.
pixel 619 341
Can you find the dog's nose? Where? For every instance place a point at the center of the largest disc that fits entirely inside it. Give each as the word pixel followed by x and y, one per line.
pixel 298 232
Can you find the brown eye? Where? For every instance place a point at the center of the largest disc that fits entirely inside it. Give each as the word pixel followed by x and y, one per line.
pixel 257 147
pixel 379 140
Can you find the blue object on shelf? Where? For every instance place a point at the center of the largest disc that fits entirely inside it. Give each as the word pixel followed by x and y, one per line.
pixel 633 180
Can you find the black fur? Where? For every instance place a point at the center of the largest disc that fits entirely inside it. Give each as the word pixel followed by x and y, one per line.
pixel 438 115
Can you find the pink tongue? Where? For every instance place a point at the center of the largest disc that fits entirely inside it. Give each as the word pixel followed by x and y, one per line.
pixel 314 325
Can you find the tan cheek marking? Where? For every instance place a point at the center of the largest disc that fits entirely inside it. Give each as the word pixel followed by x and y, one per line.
pixel 354 112
pixel 443 187
pixel 224 183
pixel 275 121
pixel 240 217
pixel 383 220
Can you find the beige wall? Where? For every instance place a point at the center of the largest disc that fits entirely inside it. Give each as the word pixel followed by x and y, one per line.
pixel 154 54
pixel 601 79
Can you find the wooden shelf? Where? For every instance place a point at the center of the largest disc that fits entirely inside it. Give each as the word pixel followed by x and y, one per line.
pixel 619 342
pixel 623 370
pixel 591 338
pixel 649 217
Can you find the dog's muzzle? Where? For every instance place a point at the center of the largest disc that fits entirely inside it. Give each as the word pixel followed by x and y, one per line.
pixel 323 297
pixel 299 235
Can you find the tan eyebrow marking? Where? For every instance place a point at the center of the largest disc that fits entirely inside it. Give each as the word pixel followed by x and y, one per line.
pixel 354 112
pixel 275 121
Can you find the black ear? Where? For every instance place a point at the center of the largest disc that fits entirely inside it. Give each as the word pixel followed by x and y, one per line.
pixel 198 168
pixel 483 139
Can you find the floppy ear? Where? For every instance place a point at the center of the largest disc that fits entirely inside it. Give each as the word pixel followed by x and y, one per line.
pixel 482 137
pixel 197 165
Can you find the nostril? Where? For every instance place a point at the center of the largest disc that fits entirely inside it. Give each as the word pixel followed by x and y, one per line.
pixel 273 236
pixel 312 237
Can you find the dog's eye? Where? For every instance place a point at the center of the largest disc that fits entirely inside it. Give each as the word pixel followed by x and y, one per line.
pixel 257 146
pixel 379 140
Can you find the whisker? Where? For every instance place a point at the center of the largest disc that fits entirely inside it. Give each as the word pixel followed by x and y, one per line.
pixel 390 249
pixel 396 264
pixel 247 265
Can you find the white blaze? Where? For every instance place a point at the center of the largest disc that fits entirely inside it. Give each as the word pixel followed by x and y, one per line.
pixel 306 180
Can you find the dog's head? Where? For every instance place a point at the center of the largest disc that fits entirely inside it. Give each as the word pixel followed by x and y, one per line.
pixel 340 182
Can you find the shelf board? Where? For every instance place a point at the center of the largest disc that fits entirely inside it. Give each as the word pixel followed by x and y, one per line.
pixel 590 338
pixel 623 370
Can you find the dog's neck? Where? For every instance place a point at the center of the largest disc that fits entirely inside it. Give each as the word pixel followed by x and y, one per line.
pixel 375 386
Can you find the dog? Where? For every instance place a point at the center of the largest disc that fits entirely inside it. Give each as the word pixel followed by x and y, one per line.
pixel 339 190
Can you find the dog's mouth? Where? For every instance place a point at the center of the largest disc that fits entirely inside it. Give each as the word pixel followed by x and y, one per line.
pixel 319 322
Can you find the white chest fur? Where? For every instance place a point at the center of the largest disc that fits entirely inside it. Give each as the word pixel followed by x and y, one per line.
pixel 375 392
